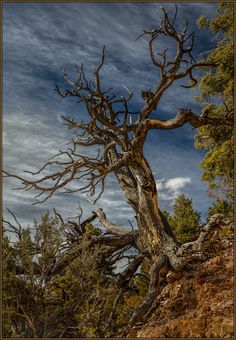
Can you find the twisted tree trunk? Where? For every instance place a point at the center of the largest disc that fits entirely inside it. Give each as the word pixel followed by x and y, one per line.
pixel 121 142
pixel 155 238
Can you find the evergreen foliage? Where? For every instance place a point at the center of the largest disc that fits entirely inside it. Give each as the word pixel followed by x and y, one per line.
pixel 82 298
pixel 220 207
pixel 76 302
pixel 216 94
pixel 185 221
pixel 141 281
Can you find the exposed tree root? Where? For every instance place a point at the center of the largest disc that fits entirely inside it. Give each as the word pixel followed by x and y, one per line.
pixel 196 250
pixel 187 252
pixel 144 307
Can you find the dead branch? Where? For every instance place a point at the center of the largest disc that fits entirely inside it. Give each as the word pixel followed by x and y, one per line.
pixel 170 70
pixel 72 171
pixel 184 116
pixel 13 229
pixel 59 216
pixel 140 312
pixel 196 250
pixel 120 143
pixel 113 229
pixel 109 128
pixel 125 276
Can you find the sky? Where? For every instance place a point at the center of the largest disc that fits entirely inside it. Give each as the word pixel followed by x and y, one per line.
pixel 42 39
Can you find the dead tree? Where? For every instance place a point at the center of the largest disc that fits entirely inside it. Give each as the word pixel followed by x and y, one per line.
pixel 120 134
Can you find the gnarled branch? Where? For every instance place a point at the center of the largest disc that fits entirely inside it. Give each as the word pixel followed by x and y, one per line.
pixel 170 70
pixel 196 250
pixel 184 116
pixel 113 228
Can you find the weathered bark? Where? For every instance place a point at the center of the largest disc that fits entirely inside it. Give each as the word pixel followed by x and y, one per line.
pixel 127 274
pixel 196 250
pixel 152 292
pixel 113 228
pixel 121 143
pixel 155 235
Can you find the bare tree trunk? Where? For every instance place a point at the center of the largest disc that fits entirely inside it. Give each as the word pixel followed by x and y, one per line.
pixel 121 143
pixel 155 235
pixel 156 239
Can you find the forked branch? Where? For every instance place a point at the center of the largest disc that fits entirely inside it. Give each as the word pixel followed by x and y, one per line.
pixel 171 69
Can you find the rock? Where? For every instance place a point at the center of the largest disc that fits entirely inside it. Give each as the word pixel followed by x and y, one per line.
pixel 219 326
pixel 197 303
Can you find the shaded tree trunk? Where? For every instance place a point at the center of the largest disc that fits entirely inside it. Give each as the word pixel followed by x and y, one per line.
pixel 139 187
pixel 113 130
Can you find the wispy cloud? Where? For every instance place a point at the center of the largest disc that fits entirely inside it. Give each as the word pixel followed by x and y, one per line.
pixel 41 38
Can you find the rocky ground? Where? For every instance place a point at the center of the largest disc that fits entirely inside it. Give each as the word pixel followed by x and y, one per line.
pixel 197 303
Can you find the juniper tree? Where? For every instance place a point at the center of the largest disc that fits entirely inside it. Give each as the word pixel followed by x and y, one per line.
pixel 52 285
pixel 120 134
pixel 185 221
pixel 218 163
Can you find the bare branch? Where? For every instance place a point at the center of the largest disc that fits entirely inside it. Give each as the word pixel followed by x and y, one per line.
pixel 114 229
pixel 140 312
pixel 170 70
pixel 190 70
pixel 58 215
pixel 184 116
pixel 98 70
pixel 196 250
pixel 95 170
pixel 16 220
pixel 125 276
pixel 13 229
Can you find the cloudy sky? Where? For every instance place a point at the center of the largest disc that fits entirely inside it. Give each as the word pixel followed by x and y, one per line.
pixel 41 39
